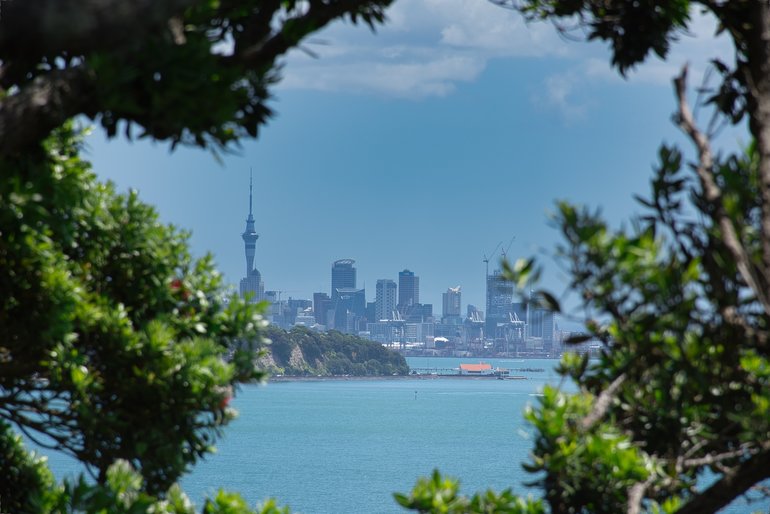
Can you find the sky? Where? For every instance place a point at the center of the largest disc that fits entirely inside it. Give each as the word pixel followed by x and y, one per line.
pixel 454 127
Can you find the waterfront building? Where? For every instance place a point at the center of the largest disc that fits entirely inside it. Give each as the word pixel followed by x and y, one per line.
pixel 343 276
pixel 408 290
pixel 386 332
pixel 251 286
pixel 385 300
pixel 418 333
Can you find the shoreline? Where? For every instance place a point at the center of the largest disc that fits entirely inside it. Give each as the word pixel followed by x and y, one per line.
pixel 343 378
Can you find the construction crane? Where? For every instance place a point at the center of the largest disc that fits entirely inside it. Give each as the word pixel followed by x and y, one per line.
pixel 486 259
pixel 505 252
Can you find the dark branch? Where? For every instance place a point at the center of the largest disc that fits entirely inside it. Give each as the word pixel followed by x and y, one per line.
pixel 29 116
pixel 735 483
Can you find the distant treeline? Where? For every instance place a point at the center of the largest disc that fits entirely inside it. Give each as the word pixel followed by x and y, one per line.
pixel 303 352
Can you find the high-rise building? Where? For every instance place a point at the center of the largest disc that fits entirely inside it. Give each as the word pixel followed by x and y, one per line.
pixel 451 301
pixel 499 302
pixel 349 309
pixel 408 290
pixel 541 324
pixel 251 285
pixel 322 304
pixel 343 276
pixel 385 299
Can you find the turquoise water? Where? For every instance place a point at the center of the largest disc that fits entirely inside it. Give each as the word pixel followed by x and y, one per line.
pixel 346 446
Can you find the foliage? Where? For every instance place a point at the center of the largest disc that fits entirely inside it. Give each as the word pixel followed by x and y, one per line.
pixel 195 72
pixel 115 339
pixel 675 414
pixel 331 353
pixel 116 346
pixel 439 495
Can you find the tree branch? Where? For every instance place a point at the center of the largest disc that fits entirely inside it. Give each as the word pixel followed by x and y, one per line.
pixel 713 193
pixel 736 482
pixel 317 16
pixel 50 27
pixel 29 116
pixel 602 403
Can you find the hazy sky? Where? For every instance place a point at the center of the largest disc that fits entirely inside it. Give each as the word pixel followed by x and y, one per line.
pixel 453 128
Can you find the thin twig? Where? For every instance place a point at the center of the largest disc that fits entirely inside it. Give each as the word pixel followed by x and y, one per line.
pixel 603 403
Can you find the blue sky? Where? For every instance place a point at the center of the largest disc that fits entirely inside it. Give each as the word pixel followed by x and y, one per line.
pixel 453 128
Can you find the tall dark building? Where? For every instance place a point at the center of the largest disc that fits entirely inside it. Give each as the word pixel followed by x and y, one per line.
pixel 499 302
pixel 321 306
pixel 408 290
pixel 343 276
pixel 251 285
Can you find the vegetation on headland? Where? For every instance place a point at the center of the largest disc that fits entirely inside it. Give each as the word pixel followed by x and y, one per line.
pixel 113 338
pixel 303 352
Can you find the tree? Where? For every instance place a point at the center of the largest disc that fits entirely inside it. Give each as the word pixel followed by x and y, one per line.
pixel 115 345
pixel 675 414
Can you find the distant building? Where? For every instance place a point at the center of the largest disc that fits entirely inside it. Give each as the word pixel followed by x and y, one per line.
pixel 349 311
pixel 451 304
pixel 482 368
pixel 541 324
pixel 371 312
pixel 343 276
pixel 418 313
pixel 499 302
pixel 251 286
pixel 408 290
pixel 385 299
pixel 322 304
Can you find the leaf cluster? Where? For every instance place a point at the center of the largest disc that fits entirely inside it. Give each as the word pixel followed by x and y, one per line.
pixel 116 343
pixel 193 72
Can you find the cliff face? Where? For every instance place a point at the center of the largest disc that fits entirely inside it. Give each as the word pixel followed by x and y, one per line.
pixel 303 352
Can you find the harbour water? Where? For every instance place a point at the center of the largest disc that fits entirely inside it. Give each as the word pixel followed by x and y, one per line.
pixel 344 446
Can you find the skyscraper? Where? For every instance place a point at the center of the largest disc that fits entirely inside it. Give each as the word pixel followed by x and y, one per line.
pixel 343 276
pixel 451 301
pixel 385 299
pixel 251 285
pixel 499 302
pixel 408 290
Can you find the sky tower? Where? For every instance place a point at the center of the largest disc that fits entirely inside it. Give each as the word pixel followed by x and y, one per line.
pixel 252 287
pixel 250 235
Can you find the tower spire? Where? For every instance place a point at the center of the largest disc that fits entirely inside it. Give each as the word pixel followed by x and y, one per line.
pixel 250 235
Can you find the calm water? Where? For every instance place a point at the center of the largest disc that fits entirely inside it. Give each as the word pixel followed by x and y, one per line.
pixel 346 446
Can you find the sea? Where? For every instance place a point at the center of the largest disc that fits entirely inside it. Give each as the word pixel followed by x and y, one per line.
pixel 345 446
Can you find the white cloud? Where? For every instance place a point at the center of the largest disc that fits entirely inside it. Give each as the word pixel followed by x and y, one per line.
pixel 558 93
pixel 428 47
pixel 425 49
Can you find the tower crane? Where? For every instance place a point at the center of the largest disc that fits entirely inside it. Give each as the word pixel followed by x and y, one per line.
pixel 505 252
pixel 486 259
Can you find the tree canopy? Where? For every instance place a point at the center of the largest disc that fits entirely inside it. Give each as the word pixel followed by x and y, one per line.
pixel 194 72
pixel 674 416
pixel 116 346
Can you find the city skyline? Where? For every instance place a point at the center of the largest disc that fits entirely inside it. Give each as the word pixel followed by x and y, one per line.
pixel 428 168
